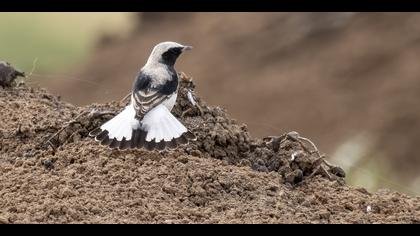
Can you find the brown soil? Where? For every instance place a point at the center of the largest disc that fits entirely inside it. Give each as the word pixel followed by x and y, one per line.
pixel 331 76
pixel 226 176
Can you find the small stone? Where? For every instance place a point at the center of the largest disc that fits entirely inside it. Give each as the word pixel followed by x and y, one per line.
pixel 244 162
pixel 183 159
pixel 338 171
pixel 273 188
pixel 29 153
pixel 294 177
pixel 4 220
pixel 196 153
pixel 324 214
pixel 18 163
pixel 66 192
pixel 306 203
pixel 168 189
pixel 47 163
pixel 348 206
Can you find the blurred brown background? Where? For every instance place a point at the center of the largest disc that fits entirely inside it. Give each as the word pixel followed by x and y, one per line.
pixel 348 81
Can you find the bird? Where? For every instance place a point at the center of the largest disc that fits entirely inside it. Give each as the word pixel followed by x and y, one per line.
pixel 147 122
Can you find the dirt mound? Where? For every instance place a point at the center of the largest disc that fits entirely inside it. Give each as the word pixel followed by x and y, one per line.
pixel 332 76
pixel 50 171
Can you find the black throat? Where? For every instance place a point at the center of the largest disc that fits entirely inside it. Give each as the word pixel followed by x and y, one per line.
pixel 169 57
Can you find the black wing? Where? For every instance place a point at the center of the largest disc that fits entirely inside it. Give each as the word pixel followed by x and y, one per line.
pixel 146 96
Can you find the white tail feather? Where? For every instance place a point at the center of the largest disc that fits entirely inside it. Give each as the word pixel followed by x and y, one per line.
pixel 160 124
pixel 122 124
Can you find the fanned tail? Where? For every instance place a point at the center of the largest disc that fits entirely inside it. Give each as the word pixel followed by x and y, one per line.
pixel 159 129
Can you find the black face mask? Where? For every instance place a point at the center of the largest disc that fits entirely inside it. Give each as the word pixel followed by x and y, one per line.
pixel 170 56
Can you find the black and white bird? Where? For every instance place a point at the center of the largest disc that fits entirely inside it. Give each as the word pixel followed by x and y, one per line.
pixel 147 121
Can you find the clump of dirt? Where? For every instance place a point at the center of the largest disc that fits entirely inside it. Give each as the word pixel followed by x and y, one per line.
pixel 8 74
pixel 51 171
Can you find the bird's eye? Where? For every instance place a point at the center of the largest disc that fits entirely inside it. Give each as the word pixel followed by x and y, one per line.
pixel 175 51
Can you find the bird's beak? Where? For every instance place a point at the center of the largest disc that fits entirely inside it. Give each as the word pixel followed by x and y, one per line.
pixel 187 48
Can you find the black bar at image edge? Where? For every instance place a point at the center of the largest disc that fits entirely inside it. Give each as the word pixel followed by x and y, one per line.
pixel 207 5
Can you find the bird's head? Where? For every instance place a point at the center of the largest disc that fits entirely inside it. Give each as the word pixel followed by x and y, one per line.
pixel 167 53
